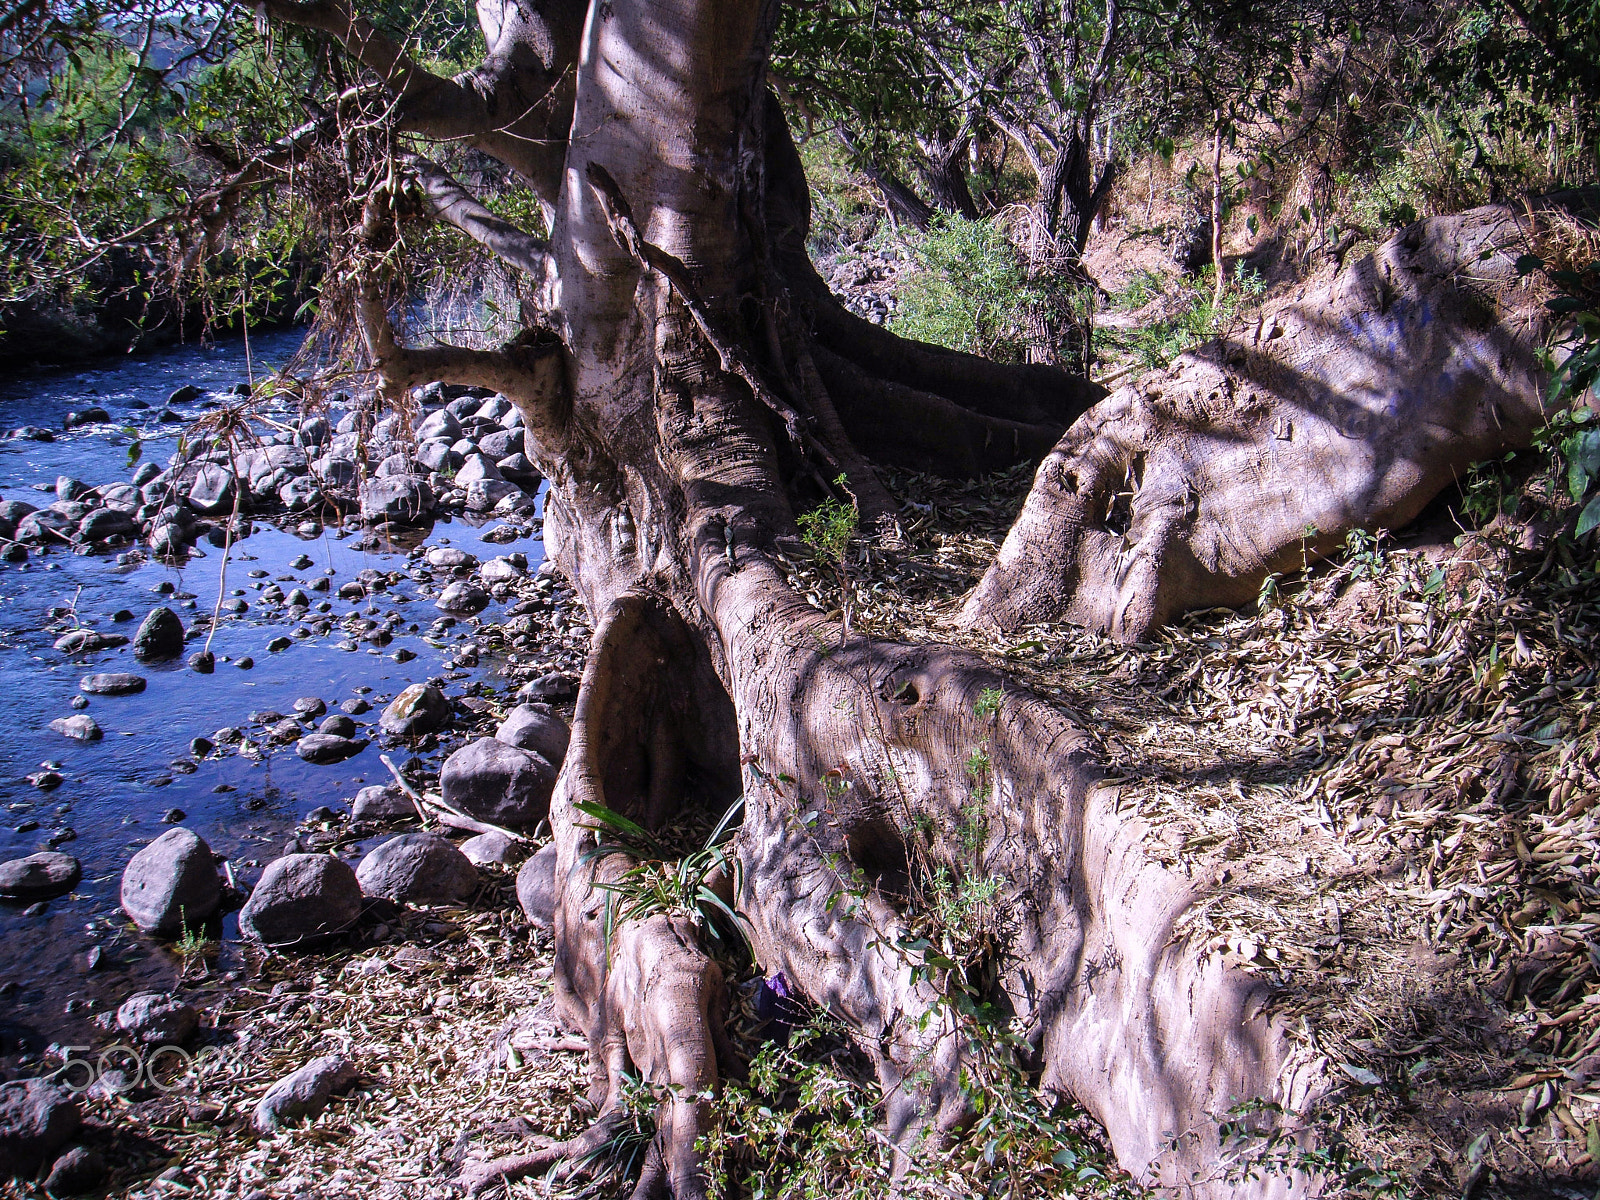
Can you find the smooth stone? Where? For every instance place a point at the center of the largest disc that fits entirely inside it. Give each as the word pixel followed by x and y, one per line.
pixel 112 683
pixel 417 868
pixel 300 900
pixel 483 495
pixel 81 728
pixel 171 883
pixel 554 686
pixel 495 782
pixel 37 1118
pixel 305 1093
pixel 421 708
pixel 160 636
pixel 499 570
pixel 157 1019
pixel 493 849
pixel 106 523
pixel 339 725
pixel 325 748
pixel 213 490
pixel 400 498
pixel 535 728
pixel 462 597
pixel 87 641
pixel 310 706
pixel 449 556
pixel 536 888
pixel 382 804
pixel 41 876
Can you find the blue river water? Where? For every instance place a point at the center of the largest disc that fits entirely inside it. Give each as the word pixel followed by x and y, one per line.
pixel 116 792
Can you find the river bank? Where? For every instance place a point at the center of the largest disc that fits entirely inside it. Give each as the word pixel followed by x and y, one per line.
pixel 318 612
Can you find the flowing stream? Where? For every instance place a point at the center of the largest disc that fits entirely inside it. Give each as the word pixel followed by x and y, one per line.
pixel 119 793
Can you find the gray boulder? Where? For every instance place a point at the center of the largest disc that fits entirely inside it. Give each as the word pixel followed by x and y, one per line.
pixel 536 888
pixel 41 876
pixel 534 727
pixel 324 748
pixel 77 1171
pixel 403 498
pixel 301 899
pixel 160 636
pixel 440 426
pixel 172 881
pixel 484 494
pixel 44 526
pixel 337 470
pixel 87 641
pixel 475 468
pixel 382 804
pixel 519 470
pixel 417 868
pixel 462 597
pixel 157 1019
pixel 501 445
pixel 112 683
pixel 437 456
pixel 420 709
pixel 493 849
pixel 213 489
pixel 500 570
pixel 305 1093
pixel 313 431
pixel 37 1118
pixel 300 493
pixel 105 523
pixel 495 782
pixel 81 728
pixel 450 557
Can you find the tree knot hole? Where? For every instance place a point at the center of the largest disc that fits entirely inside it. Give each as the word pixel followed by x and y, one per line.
pixel 1119 509
pixel 879 852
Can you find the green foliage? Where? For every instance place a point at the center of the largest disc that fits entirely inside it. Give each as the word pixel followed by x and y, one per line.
pixel 970 290
pixel 1257 1144
pixel 1192 317
pixel 664 884
pixel 1363 551
pixel 805 1126
pixel 829 528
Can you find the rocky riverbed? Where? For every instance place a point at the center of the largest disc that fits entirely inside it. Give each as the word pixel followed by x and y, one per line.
pixel 277 681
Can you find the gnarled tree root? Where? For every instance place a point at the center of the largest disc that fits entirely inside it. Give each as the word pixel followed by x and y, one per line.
pixel 1350 406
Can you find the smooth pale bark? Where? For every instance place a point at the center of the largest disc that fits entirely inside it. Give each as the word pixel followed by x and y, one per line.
pixel 1349 406
pixel 692 383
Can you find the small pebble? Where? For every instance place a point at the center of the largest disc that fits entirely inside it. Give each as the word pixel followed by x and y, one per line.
pixel 245 663
pixel 173 815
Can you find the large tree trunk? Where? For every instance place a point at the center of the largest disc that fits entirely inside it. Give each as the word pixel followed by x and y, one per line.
pixel 693 384
pixel 1349 406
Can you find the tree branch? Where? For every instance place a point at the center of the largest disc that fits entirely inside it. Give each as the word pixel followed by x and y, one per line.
pixel 514 107
pixel 453 204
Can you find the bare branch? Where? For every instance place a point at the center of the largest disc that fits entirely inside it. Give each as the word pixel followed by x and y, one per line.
pixel 454 204
pixel 514 107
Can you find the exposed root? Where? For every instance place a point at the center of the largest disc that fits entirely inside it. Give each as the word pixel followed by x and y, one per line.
pixel 1346 407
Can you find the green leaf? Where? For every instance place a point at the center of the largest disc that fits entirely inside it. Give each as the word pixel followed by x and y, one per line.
pixel 1590 517
pixel 1527 264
